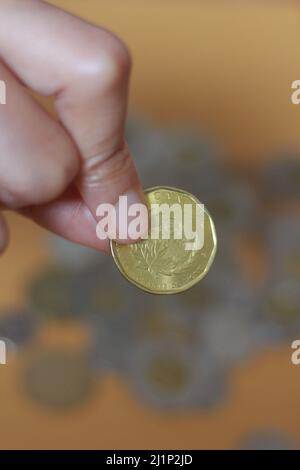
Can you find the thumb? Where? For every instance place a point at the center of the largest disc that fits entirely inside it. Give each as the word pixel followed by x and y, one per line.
pixel 87 71
pixel 93 109
pixel 108 179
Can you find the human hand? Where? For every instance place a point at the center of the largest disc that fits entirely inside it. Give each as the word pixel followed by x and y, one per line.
pixel 57 173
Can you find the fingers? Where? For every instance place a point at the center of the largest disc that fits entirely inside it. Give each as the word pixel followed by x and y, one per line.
pixel 87 69
pixel 3 234
pixel 69 217
pixel 38 158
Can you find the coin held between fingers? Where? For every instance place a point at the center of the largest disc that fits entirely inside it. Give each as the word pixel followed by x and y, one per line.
pixel 165 266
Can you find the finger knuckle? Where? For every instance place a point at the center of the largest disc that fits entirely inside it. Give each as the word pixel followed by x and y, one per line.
pixel 107 60
pixel 104 169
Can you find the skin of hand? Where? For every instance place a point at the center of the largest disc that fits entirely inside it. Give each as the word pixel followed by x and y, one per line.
pixel 58 171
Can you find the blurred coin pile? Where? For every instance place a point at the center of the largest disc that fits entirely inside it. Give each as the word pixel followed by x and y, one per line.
pixel 177 352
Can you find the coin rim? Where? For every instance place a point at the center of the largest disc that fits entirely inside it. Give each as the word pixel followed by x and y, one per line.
pixel 191 283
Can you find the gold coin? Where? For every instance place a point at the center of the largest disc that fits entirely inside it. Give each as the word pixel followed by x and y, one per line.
pixel 165 266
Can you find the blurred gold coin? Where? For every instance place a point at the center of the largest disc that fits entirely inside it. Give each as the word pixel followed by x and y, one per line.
pixel 166 266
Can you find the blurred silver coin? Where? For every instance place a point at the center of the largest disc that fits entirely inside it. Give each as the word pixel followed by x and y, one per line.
pixel 162 374
pixel 113 337
pixel 58 378
pixel 241 293
pixel 213 380
pixel 176 156
pixel 72 256
pixel 19 326
pixel 151 150
pixel 234 208
pixel 283 245
pixel 227 284
pixel 100 290
pixel 198 298
pixel 196 161
pixel 110 307
pixel 167 375
pixel 51 294
pixel 268 439
pixel 231 334
pixel 159 319
pixel 279 177
pixel 190 144
pixel 110 344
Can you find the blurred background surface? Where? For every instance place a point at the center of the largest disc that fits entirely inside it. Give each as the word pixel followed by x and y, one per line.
pixel 94 363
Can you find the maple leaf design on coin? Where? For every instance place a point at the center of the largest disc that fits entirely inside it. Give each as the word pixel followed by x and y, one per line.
pixel 157 257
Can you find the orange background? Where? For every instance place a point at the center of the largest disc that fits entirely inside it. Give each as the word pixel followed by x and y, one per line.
pixel 227 66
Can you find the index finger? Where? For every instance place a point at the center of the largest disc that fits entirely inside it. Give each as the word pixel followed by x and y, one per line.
pixel 87 70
